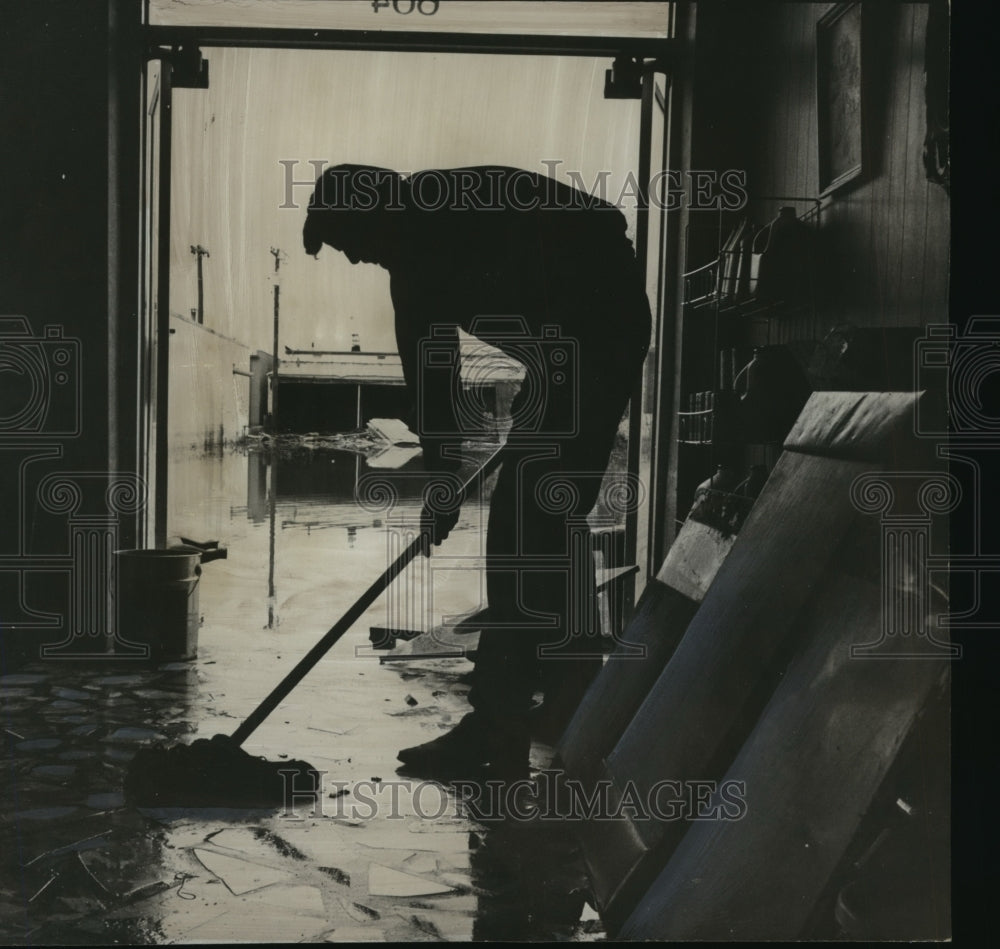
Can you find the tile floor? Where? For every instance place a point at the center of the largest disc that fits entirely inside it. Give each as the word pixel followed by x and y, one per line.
pixel 379 858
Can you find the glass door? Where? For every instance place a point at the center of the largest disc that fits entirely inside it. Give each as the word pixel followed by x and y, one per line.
pixel 154 330
pixel 650 232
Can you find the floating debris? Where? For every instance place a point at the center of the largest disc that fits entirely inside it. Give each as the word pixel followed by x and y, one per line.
pixel 410 838
pixel 338 876
pixel 384 881
pixel 87 843
pixel 126 867
pixel 240 876
pixel 361 913
pixel 278 843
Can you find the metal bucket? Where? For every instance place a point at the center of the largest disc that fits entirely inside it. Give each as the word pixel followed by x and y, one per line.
pixel 157 597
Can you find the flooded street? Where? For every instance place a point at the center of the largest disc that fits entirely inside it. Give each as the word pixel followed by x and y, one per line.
pixel 293 568
pixel 377 857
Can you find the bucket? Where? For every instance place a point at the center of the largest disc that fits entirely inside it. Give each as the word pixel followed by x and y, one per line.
pixel 157 594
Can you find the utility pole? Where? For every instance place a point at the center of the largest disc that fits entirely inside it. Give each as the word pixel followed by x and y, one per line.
pixel 272 597
pixel 278 256
pixel 200 252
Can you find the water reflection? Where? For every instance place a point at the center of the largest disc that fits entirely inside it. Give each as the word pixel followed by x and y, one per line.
pixel 306 508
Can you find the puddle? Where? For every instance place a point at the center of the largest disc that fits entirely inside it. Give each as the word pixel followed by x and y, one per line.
pixel 374 858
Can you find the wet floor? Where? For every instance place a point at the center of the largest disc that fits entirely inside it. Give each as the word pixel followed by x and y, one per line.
pixel 378 857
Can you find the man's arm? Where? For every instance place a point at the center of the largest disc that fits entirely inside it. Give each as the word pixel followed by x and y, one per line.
pixel 429 351
pixel 430 356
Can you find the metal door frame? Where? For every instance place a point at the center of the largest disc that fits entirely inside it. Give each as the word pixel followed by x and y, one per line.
pixel 162 42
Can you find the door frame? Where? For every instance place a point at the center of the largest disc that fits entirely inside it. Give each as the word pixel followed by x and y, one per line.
pixel 660 54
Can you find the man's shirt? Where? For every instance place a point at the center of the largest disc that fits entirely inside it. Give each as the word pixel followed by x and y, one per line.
pixel 494 241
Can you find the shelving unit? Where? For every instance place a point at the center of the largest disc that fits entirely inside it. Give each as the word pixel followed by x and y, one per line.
pixel 723 324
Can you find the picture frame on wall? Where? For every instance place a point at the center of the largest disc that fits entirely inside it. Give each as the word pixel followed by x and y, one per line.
pixel 839 96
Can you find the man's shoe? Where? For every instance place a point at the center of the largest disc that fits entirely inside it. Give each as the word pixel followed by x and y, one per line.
pixel 461 748
pixel 473 749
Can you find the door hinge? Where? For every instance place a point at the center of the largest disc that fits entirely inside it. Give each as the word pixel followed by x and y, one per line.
pixel 190 68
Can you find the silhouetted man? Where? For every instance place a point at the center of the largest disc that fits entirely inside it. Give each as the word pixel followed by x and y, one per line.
pixel 545 273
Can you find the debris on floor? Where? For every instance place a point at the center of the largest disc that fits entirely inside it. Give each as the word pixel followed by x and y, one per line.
pixel 240 876
pixel 367 861
pixel 384 881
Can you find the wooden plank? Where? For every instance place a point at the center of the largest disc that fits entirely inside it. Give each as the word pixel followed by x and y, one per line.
pixel 810 770
pixel 728 650
pixel 694 559
pixel 661 616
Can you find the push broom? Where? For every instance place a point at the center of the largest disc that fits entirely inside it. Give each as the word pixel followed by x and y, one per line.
pixel 216 772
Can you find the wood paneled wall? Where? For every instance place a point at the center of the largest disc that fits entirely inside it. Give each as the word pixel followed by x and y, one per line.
pixel 883 238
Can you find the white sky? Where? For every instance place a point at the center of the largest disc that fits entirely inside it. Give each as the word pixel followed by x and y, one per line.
pixel 406 111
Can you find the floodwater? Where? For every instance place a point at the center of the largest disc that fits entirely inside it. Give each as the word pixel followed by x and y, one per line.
pixel 378 857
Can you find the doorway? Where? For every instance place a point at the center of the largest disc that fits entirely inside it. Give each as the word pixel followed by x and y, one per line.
pixel 243 154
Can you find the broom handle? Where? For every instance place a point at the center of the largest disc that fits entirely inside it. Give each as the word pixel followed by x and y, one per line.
pixel 299 672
